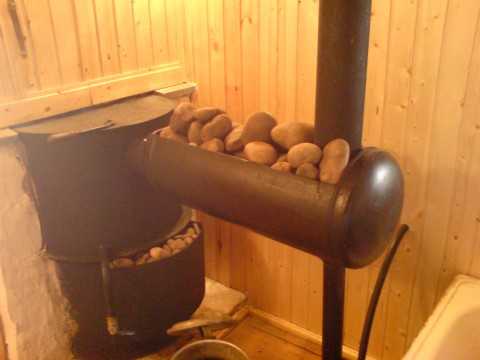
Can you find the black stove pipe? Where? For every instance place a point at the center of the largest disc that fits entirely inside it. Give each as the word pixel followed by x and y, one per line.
pixel 343 41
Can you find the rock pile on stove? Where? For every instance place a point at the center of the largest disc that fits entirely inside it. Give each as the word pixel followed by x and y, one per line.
pixel 172 246
pixel 286 147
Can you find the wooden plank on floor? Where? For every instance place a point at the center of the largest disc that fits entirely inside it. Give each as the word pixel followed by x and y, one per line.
pixel 261 345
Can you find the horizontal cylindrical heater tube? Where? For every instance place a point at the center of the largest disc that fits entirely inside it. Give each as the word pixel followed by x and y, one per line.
pixel 348 224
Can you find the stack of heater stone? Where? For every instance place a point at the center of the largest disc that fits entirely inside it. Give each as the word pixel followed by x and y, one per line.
pixel 286 147
pixel 171 247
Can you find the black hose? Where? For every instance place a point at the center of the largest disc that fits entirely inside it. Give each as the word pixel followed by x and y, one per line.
pixel 372 307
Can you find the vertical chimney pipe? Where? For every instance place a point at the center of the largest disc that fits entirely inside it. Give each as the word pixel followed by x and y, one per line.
pixel 342 55
pixel 343 40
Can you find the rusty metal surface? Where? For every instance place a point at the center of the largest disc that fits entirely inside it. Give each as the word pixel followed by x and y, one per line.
pixel 349 224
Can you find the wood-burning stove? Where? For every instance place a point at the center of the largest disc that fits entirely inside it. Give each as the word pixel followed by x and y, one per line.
pixel 88 197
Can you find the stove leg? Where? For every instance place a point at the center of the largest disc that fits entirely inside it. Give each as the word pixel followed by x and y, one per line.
pixel 333 304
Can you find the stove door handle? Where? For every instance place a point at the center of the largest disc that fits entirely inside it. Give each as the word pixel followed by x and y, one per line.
pixel 110 316
pixel 111 319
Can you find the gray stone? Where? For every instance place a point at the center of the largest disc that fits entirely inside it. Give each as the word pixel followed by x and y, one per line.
pixel 307 170
pixel 168 133
pixel 182 117
pixel 282 166
pixel 122 263
pixel 335 159
pixel 261 153
pixel 214 145
pixel 218 128
pixel 233 141
pixel 291 133
pixel 194 132
pixel 205 114
pixel 258 127
pixel 159 252
pixel 304 153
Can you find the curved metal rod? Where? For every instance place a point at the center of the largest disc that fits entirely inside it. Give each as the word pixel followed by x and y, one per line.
pixel 110 316
pixel 372 307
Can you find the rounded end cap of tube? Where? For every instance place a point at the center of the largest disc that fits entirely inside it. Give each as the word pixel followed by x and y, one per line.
pixel 367 207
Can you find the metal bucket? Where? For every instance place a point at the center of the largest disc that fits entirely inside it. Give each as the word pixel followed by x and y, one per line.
pixel 210 350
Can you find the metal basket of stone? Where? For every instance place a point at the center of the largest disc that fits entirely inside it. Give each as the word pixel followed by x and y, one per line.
pixel 170 247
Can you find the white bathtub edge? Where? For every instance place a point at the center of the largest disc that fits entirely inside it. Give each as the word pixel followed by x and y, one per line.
pixel 425 332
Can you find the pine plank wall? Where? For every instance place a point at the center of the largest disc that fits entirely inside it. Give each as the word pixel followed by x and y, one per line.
pixel 248 55
pixel 423 104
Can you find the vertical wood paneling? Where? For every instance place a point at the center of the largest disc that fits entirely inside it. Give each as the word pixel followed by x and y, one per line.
pixel 463 218
pixel 402 39
pixel 233 59
pixel 22 68
pixel 288 60
pixel 356 305
pixel 250 55
pixel 63 19
pixel 306 58
pixel 7 87
pixel 216 46
pixel 460 29
pixel 176 36
pixel 107 36
pixel 125 25
pixel 216 50
pixel 80 52
pixel 234 107
pixel 141 14
pixel 158 15
pixel 197 15
pixel 88 39
pixel 44 43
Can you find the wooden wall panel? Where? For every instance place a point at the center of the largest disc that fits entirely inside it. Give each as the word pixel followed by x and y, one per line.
pixel 3 344
pixel 22 68
pixel 66 37
pixel 88 39
pixel 77 49
pixel 44 42
pixel 107 36
pixel 422 104
pixel 126 41
pixel 158 16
